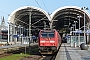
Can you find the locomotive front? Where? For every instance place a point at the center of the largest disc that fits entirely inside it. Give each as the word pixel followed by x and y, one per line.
pixel 48 41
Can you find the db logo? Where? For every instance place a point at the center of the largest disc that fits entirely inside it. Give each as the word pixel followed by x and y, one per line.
pixel 47 38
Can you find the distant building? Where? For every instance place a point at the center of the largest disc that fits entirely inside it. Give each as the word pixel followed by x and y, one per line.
pixel 3 25
pixel 3 31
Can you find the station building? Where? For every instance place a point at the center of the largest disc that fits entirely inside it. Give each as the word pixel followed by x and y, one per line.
pixel 28 20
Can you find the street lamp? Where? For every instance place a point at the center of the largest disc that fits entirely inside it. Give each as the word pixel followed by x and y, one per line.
pixel 79 20
pixel 84 8
pixel 27 36
pixel 79 29
pixel 19 32
pixel 21 35
pixel 75 25
pixel 73 28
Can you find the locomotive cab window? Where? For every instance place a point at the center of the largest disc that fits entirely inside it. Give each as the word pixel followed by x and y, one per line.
pixel 47 34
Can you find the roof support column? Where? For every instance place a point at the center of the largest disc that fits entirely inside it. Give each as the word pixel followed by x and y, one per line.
pixel 30 26
pixel 51 25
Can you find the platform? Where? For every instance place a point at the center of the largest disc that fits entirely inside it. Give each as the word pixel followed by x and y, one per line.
pixel 72 53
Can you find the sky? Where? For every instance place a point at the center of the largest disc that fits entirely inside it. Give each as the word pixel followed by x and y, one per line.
pixel 8 6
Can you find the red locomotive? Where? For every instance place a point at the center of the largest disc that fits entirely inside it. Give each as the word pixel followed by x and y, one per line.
pixel 49 41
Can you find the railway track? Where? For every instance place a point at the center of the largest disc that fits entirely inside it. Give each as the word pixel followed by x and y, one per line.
pixel 10 52
pixel 6 49
pixel 34 55
pixel 38 56
pixel 48 57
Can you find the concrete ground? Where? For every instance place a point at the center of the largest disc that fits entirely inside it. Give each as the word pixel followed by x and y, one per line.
pixel 72 53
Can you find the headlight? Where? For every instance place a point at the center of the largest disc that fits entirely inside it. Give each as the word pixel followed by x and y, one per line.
pixel 52 41
pixel 42 41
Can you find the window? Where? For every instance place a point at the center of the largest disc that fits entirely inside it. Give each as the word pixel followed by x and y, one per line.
pixel 47 34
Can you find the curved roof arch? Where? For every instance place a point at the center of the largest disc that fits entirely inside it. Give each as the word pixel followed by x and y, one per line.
pixel 65 7
pixel 67 15
pixel 12 15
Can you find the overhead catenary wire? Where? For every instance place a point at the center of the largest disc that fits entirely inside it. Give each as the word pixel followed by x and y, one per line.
pixel 5 13
pixel 34 22
pixel 45 6
pixel 38 20
pixel 37 3
pixel 25 22
pixel 28 24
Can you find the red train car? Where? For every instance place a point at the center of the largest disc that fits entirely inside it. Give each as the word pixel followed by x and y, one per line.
pixel 49 41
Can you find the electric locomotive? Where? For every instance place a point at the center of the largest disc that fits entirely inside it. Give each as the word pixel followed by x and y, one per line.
pixel 49 41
